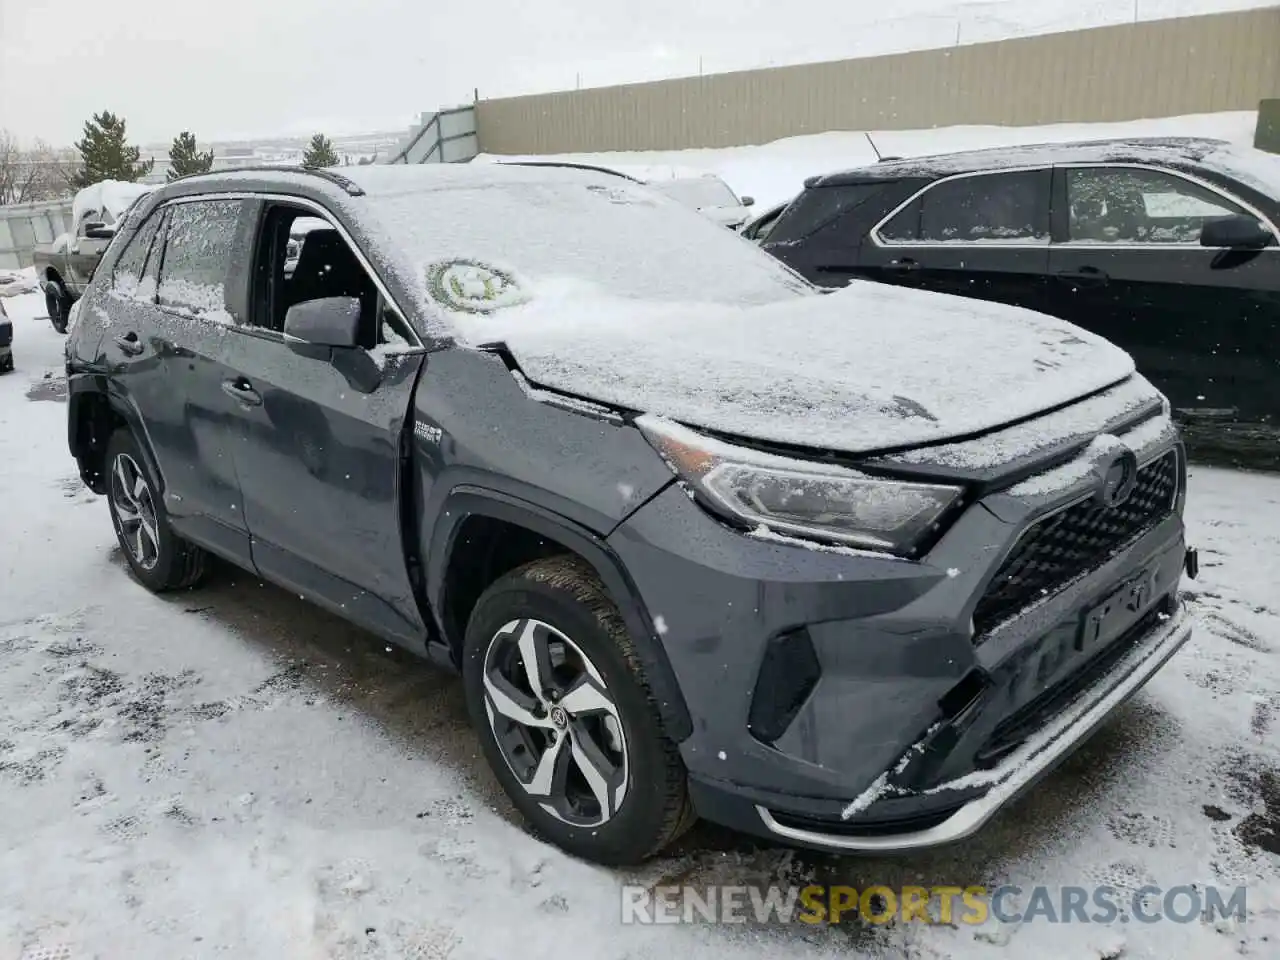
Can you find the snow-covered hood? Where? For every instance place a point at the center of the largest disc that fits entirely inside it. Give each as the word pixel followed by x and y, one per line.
pixel 863 369
pixel 729 216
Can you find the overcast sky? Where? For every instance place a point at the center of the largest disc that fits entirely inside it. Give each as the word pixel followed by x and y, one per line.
pixel 233 68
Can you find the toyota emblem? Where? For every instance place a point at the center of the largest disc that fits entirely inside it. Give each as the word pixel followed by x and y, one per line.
pixel 1117 477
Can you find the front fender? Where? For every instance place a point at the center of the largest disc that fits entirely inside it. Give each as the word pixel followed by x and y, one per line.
pixel 467 500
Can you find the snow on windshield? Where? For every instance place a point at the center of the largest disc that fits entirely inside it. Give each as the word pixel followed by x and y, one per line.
pixel 606 237
pixel 698 192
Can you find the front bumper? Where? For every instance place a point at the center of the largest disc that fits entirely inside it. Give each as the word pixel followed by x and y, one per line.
pixel 908 727
pixel 1020 770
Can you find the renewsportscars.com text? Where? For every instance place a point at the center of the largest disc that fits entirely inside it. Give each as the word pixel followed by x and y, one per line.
pixel 973 905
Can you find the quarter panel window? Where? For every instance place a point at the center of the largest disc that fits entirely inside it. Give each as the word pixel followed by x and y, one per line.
pixel 1134 205
pixel 198 253
pixel 989 208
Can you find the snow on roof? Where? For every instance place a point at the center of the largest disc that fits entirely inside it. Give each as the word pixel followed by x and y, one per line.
pixel 1253 167
pixel 108 199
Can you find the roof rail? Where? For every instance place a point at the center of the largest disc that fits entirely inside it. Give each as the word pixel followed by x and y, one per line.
pixel 352 189
pixel 572 166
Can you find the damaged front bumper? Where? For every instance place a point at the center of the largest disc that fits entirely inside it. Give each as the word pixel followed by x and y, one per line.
pixel 1016 772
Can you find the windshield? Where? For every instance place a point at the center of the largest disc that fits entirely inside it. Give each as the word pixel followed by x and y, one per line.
pixel 615 237
pixel 698 191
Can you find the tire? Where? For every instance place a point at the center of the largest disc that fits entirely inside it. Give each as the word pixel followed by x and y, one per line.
pixel 159 558
pixel 6 363
pixel 599 706
pixel 58 305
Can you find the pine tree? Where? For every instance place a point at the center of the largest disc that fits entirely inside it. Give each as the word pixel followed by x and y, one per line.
pixel 320 153
pixel 105 155
pixel 185 159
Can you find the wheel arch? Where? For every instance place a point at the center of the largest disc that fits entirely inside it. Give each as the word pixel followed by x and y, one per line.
pixel 93 414
pixel 466 503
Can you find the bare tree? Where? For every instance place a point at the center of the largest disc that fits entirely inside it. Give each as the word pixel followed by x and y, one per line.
pixel 27 176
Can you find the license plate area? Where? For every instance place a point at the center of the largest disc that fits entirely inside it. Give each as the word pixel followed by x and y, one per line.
pixel 1116 613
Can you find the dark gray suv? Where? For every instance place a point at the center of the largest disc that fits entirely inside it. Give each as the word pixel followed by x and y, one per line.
pixel 848 570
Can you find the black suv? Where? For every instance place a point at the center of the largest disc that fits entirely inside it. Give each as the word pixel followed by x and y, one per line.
pixel 1167 247
pixel 848 570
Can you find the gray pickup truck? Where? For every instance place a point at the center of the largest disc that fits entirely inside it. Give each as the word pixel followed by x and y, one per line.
pixel 65 266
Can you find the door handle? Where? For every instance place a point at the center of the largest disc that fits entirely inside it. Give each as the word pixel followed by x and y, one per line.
pixel 242 392
pixel 902 265
pixel 129 344
pixel 1085 276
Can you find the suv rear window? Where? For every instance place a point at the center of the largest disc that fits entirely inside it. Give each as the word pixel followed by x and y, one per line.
pixel 819 206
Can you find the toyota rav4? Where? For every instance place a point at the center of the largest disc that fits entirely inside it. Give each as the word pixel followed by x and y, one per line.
pixel 848 570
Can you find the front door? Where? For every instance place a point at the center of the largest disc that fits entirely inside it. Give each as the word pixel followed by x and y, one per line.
pixel 983 235
pixel 1203 324
pixel 319 453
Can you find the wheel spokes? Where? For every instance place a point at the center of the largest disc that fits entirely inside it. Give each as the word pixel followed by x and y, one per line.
pixel 585 698
pixel 125 485
pixel 512 703
pixel 536 657
pixel 597 769
pixel 544 774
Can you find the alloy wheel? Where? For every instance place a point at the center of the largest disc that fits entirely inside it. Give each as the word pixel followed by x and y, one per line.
pixel 135 511
pixel 555 723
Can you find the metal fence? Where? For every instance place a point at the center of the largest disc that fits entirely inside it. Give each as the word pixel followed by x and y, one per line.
pixel 23 225
pixel 447 136
pixel 1132 71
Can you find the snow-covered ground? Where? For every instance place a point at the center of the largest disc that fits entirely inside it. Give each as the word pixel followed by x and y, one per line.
pixel 231 772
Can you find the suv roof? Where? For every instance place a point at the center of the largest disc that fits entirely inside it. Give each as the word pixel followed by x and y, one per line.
pixel 1167 150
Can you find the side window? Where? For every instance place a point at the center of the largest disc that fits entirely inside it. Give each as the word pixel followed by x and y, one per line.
pixel 302 257
pixel 988 208
pixel 1134 205
pixel 818 207
pixel 198 251
pixel 131 268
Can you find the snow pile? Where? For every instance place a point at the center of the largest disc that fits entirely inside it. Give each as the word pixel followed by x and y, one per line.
pixel 16 282
pixel 107 199
pixel 775 172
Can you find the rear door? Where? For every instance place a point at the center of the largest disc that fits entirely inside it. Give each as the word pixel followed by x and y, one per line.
pixel 172 338
pixel 983 235
pixel 1202 323
pixel 321 431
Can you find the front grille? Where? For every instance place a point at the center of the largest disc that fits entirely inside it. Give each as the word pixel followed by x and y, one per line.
pixel 1074 541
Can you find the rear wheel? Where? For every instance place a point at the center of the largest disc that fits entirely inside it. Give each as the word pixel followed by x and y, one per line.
pixel 58 304
pixel 158 557
pixel 566 718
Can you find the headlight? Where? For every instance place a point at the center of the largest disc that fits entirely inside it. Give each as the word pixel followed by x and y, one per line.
pixel 799 498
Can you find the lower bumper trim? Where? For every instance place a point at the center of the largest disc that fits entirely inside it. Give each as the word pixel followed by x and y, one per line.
pixel 1024 766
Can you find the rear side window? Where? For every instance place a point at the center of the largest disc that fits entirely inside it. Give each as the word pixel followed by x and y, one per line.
pixel 990 208
pixel 819 206
pixel 198 252
pixel 126 278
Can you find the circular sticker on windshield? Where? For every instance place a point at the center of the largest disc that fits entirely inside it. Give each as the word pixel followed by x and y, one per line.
pixel 473 286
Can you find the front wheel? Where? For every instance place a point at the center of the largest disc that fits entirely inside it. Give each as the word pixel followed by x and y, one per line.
pixel 158 557
pixel 6 362
pixel 566 717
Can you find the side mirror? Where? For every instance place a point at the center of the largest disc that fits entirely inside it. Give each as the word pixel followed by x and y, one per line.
pixel 99 231
pixel 748 201
pixel 327 322
pixel 1239 232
